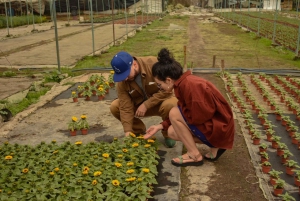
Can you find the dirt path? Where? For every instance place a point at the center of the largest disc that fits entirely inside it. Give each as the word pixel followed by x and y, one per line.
pixel 228 180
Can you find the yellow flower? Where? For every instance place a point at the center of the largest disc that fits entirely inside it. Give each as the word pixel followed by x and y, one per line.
pixel 101 86
pixel 132 134
pixel 140 179
pixel 86 168
pixel 85 172
pixel 25 170
pixel 120 155
pixel 97 173
pixel 53 141
pixel 150 141
pixel 51 173
pixel 118 165
pixel 106 83
pixel 83 116
pixel 115 138
pixel 56 169
pixel 74 164
pixel 105 155
pixel 131 179
pixel 112 72
pixel 147 145
pixel 73 92
pixel 130 171
pixel 140 137
pixel 55 152
pixel 94 182
pixel 74 118
pixel 78 143
pixel 146 170
pixel 115 182
pixel 125 150
pixel 130 164
pixel 135 144
pixel 8 157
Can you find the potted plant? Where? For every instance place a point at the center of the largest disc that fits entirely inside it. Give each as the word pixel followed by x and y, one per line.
pixel 74 96
pixel 93 89
pixel 280 148
pixel 110 79
pixel 297 177
pixel 87 94
pixel 296 138
pixel 292 130
pixel 290 166
pixel 275 140
pixel 279 187
pixel 73 126
pixel 264 156
pixel 256 137
pixel 270 132
pixel 263 147
pixel 287 197
pixel 274 175
pixel 266 167
pixel 285 156
pixel 278 112
pixel 80 90
pixel 83 124
pixel 100 93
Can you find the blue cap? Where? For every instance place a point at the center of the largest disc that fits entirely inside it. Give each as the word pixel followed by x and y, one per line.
pixel 121 63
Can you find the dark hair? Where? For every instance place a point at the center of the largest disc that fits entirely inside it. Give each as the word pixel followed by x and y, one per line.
pixel 166 66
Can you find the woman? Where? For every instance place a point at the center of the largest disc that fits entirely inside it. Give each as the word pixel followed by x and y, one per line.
pixel 202 116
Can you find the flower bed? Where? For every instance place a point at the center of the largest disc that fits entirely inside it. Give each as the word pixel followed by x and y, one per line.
pixel 121 170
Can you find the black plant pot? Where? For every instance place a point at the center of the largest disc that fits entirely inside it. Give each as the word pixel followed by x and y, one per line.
pixel 6 114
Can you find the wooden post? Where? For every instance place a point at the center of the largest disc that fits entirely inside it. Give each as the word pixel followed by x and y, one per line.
pixel 184 60
pixel 214 61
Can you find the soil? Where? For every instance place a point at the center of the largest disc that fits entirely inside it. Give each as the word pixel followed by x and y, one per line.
pixel 234 177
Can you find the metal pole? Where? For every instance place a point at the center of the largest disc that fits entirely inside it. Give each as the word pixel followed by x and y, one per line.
pixel 248 15
pixel 240 12
pixel 297 49
pixel 126 18
pixel 275 18
pixel 134 12
pixel 79 9
pixel 67 6
pixel 258 26
pixel 27 13
pixel 96 7
pixel 10 14
pixel 32 15
pixel 56 35
pixel 297 9
pixel 112 17
pixel 40 11
pixel 7 25
pixel 51 11
pixel 92 22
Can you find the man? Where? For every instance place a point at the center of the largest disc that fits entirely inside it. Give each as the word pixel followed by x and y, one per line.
pixel 138 94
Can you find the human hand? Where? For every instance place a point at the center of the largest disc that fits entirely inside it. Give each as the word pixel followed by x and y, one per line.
pixel 152 130
pixel 141 111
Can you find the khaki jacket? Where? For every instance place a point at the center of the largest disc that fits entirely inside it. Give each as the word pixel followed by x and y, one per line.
pixel 131 96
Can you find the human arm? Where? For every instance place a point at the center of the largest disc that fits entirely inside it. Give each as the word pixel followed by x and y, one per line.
pixel 152 130
pixel 126 107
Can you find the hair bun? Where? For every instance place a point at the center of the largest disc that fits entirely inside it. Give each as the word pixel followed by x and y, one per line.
pixel 164 57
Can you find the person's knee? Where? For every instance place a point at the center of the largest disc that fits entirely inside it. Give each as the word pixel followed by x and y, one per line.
pixel 114 108
pixel 171 132
pixel 173 114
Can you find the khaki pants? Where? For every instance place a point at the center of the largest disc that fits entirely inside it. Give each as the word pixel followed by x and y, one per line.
pixel 161 110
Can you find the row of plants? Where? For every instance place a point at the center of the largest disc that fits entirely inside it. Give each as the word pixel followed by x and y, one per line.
pixel 285 34
pixel 122 170
pixel 255 133
pixel 96 85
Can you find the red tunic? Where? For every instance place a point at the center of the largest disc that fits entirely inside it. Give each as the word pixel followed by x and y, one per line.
pixel 205 107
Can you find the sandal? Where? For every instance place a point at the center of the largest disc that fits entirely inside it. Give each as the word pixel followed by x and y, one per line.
pixel 182 164
pixel 214 158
